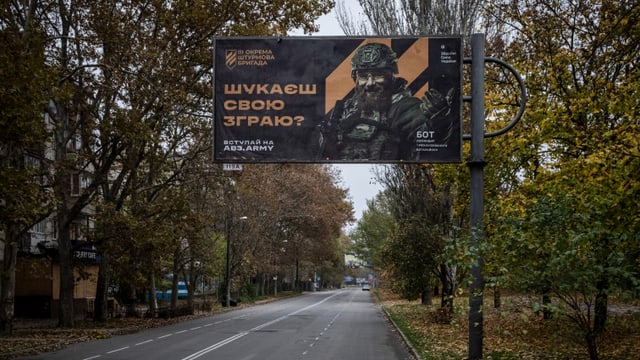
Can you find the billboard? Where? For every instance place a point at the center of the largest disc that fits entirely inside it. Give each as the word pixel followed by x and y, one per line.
pixel 338 100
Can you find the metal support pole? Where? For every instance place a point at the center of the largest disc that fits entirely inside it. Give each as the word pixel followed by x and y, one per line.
pixel 476 167
pixel 227 279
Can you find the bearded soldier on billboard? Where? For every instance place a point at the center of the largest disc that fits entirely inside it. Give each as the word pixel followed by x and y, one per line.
pixel 381 119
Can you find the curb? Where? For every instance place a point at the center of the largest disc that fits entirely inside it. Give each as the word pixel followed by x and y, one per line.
pixel 405 340
pixel 413 351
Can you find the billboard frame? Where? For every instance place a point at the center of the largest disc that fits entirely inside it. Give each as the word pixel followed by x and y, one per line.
pixel 239 115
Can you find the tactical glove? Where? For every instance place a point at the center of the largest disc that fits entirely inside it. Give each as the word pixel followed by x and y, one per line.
pixel 433 103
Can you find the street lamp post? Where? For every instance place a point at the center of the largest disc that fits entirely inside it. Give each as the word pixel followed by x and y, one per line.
pixel 227 277
pixel 227 224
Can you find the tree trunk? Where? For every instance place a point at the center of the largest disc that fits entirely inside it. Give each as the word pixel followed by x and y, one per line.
pixel 447 276
pixel 602 299
pixel 153 300
pixel 65 260
pixel 190 281
pixel 174 291
pixel 546 302
pixel 592 346
pixel 8 282
pixel 426 298
pixel 497 297
pixel 128 293
pixel 62 185
pixel 65 257
pixel 191 290
pixel 102 287
pixel 174 280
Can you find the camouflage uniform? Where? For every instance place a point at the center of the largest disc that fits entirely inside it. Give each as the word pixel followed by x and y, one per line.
pixel 381 135
pixel 353 134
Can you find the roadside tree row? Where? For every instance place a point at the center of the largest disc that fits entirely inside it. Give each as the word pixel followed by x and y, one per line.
pixel 124 88
pixel 562 220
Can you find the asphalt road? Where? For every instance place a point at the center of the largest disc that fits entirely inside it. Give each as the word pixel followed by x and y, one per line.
pixel 340 324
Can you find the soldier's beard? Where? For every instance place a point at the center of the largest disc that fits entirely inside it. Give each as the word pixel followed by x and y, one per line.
pixel 372 99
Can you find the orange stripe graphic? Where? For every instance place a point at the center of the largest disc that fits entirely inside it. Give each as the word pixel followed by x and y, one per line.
pixel 420 93
pixel 413 62
pixel 410 65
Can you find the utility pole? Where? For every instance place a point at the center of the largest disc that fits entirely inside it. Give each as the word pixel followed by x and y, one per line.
pixel 227 276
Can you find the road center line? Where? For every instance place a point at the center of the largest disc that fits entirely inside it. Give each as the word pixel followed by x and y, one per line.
pixel 244 333
pixel 216 346
pixel 116 350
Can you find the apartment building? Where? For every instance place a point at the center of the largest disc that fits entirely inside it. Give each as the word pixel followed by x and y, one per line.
pixel 37 286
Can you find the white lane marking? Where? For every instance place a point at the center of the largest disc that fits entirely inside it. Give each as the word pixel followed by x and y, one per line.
pixel 116 350
pixel 314 341
pixel 244 333
pixel 170 334
pixel 216 346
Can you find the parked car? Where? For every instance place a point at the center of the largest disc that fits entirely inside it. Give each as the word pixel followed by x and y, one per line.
pixel 366 287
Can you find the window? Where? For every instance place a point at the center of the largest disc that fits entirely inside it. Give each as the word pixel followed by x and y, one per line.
pixel 79 182
pixel 39 228
pixel 32 162
pixel 74 143
pixel 75 184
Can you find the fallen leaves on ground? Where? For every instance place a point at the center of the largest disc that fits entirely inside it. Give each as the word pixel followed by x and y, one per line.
pixel 512 331
pixel 42 336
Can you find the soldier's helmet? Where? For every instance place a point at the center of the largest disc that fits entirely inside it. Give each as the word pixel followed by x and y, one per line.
pixel 374 56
